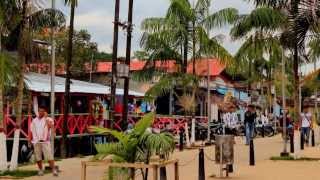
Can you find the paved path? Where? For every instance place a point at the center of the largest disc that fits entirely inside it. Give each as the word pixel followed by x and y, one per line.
pixel 265 169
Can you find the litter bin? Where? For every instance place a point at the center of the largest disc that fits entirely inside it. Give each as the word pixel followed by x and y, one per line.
pixel 225 144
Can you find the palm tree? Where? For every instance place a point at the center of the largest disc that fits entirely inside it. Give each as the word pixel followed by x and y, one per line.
pixel 20 86
pixel 170 37
pixel 135 146
pixel 261 49
pixel 7 75
pixel 289 35
pixel 185 24
pixel 72 4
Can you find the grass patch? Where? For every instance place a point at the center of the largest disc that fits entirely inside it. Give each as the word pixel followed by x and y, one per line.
pixel 291 158
pixel 20 173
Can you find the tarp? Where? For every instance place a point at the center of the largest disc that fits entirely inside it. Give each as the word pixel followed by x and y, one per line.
pixel 42 83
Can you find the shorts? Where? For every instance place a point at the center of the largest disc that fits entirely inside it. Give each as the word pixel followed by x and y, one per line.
pixel 45 149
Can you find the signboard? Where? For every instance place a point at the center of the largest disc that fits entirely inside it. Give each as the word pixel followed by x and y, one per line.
pixel 122 70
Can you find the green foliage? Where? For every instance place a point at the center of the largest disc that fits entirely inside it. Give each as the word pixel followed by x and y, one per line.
pixel 8 69
pixel 291 158
pixel 84 49
pixel 136 145
pixel 21 173
pixel 168 82
pixel 262 19
pixel 171 37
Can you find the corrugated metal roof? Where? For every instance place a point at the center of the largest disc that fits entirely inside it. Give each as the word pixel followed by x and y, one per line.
pixel 41 83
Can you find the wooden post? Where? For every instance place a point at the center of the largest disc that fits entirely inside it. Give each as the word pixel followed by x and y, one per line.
pixel 176 171
pixel 155 172
pixel 83 171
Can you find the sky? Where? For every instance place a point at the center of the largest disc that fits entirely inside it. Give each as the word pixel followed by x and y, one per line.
pixel 96 16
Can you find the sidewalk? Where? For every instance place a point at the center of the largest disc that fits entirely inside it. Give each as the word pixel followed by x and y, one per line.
pixel 265 169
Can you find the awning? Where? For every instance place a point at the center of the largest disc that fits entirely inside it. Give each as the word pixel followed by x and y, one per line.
pixel 41 83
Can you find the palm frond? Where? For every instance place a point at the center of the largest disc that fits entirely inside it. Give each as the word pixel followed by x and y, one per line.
pixel 144 123
pixel 47 18
pixel 115 149
pixel 221 18
pixel 159 144
pixel 123 138
pixel 162 87
pixel 202 5
pixel 263 18
pixel 272 3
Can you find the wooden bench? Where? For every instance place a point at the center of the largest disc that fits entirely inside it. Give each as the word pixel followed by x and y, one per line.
pixel 154 166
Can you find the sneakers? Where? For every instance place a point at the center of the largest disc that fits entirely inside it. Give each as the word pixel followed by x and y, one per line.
pixel 40 173
pixel 55 172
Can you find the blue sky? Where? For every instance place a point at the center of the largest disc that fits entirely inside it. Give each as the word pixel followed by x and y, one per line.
pixel 97 16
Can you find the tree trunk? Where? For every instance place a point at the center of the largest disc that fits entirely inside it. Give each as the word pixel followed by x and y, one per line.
pixel 193 48
pixel 185 53
pixel 186 129
pixel 296 84
pixel 114 61
pixel 16 139
pixel 67 85
pixel 15 148
pixel 128 58
pixel 193 130
pixel 3 141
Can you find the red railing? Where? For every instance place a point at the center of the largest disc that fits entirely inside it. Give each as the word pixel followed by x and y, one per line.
pixel 79 123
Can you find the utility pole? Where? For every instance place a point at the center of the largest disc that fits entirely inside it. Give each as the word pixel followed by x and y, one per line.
pixel 284 123
pixel 208 100
pixel 114 60
pixel 316 94
pixel 208 93
pixel 91 67
pixel 127 62
pixel 53 74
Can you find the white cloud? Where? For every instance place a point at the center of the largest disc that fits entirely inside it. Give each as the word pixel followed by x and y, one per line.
pixel 94 19
pixel 97 17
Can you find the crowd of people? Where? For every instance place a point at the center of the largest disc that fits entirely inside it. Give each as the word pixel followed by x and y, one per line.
pixel 251 116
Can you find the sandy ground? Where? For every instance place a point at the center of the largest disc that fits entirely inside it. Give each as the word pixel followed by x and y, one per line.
pixel 264 169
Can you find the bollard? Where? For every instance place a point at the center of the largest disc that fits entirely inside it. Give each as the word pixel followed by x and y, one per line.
pixel 251 153
pixel 181 140
pixel 312 138
pixel 230 168
pixel 291 143
pixel 302 141
pixel 163 170
pixel 201 169
pixel 262 131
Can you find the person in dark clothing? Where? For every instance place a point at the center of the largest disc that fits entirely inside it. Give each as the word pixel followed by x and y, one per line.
pixel 249 122
pixel 289 123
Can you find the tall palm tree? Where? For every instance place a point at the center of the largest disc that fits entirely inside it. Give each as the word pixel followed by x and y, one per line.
pixel 288 34
pixel 72 4
pixel 7 75
pixel 186 24
pixel 20 86
pixel 186 27
pixel 261 49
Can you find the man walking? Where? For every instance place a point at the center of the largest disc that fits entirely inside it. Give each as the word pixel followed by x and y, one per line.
pixel 40 138
pixel 305 124
pixel 249 120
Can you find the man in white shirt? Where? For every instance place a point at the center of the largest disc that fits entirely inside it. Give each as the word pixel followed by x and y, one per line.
pixel 305 124
pixel 40 138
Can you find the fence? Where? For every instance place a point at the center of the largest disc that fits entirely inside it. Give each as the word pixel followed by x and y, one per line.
pixel 79 123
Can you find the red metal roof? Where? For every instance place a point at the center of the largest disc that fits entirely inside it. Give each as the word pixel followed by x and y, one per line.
pixel 216 67
pixel 136 65
pixel 169 66
pixel 104 67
